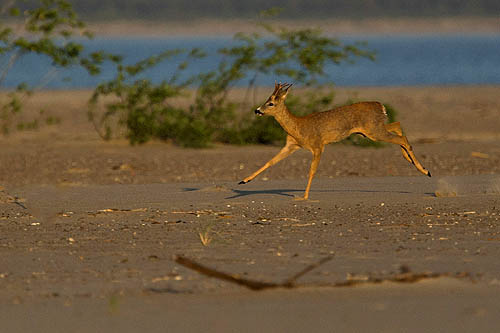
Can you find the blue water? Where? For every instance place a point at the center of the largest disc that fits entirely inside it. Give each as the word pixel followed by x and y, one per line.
pixel 401 60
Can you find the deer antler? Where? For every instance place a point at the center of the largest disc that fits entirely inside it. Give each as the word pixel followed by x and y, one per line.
pixel 279 87
pixel 276 87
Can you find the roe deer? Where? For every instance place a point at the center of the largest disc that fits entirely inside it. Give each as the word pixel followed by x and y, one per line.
pixel 315 130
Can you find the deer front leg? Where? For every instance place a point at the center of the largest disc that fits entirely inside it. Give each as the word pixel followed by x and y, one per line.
pixel 290 147
pixel 312 172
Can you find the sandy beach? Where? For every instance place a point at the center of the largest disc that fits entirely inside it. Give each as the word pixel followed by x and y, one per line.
pixel 333 26
pixel 89 230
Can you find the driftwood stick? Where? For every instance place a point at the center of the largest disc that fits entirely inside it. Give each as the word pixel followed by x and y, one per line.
pixel 251 284
pixel 404 277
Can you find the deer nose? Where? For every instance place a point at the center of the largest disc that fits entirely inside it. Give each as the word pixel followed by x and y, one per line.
pixel 258 112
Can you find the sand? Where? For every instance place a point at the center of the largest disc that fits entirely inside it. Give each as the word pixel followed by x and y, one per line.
pixel 89 229
pixel 332 26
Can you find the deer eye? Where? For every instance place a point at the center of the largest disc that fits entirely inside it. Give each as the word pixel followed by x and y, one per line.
pixel 270 104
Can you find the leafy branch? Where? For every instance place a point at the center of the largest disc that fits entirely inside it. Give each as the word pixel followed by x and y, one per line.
pixel 144 108
pixel 47 28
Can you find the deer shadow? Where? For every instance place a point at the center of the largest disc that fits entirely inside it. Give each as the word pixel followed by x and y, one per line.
pixel 281 192
pixel 288 192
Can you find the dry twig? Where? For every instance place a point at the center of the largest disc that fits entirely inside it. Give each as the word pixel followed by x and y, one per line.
pixel 405 276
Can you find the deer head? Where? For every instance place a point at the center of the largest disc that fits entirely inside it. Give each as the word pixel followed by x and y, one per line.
pixel 276 102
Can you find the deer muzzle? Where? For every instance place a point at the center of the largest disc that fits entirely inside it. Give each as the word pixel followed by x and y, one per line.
pixel 258 112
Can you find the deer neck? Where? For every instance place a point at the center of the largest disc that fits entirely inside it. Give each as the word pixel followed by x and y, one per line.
pixel 289 122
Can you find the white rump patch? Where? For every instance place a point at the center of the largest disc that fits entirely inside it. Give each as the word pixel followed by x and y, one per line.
pixel 384 110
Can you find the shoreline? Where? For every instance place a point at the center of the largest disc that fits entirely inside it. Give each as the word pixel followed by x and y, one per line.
pixel 347 27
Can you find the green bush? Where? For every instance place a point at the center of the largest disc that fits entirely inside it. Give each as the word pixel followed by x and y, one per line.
pixel 145 109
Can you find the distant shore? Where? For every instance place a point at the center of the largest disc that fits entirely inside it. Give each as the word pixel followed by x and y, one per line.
pixel 368 26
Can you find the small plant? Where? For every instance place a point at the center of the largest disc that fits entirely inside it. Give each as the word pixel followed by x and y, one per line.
pixel 114 303
pixel 205 237
pixel 206 233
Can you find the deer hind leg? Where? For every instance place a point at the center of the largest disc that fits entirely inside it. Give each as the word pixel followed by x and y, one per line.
pixel 290 147
pixel 384 135
pixel 396 128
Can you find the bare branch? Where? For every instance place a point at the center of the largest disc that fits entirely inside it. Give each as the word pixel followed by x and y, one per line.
pixel 251 284
pixel 12 60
